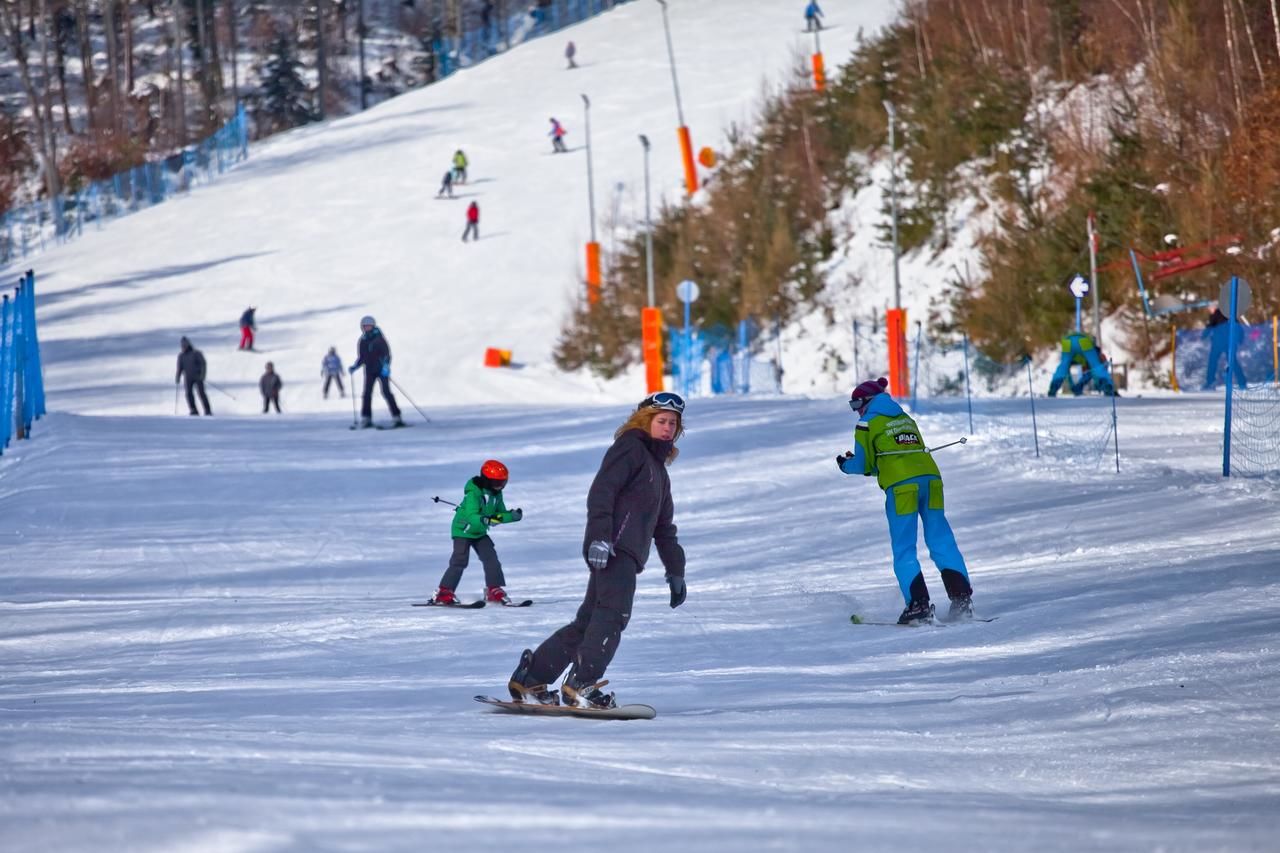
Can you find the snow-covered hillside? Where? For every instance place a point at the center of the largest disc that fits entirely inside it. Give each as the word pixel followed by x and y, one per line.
pixel 328 223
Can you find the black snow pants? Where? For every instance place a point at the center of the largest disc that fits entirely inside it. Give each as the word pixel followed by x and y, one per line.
pixel 366 402
pixel 461 554
pixel 198 386
pixel 591 639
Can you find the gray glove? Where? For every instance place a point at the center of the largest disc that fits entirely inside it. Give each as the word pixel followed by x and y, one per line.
pixel 598 554
pixel 677 590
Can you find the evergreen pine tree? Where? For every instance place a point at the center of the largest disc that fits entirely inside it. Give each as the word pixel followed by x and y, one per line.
pixel 284 96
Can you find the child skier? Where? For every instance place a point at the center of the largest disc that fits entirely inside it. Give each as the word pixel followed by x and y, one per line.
pixel 459 167
pixel 446 185
pixel 481 507
pixel 889 445
pixel 473 222
pixel 331 370
pixel 557 137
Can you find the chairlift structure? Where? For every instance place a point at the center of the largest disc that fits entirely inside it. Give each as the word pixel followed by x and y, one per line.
pixel 1173 262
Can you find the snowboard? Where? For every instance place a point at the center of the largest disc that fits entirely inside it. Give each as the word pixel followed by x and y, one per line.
pixel 933 623
pixel 622 712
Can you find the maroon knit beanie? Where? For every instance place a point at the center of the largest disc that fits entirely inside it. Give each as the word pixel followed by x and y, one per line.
pixel 869 389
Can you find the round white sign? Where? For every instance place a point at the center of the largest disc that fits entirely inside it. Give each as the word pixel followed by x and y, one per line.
pixel 687 291
pixel 1244 298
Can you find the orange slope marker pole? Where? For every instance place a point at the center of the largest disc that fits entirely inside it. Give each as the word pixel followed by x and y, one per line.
pixel 593 272
pixel 651 344
pixel 686 155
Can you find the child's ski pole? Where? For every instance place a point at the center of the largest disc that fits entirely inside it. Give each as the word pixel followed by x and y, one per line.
pixel 441 500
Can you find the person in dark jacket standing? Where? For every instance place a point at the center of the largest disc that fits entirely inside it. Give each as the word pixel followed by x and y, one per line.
pixel 374 353
pixel 247 325
pixel 191 365
pixel 473 222
pixel 270 385
pixel 628 509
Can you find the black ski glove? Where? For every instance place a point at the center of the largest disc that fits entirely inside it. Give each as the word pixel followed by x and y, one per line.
pixel 517 514
pixel 677 590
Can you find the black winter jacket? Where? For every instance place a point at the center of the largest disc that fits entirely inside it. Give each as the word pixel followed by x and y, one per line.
pixel 372 350
pixel 191 362
pixel 270 385
pixel 629 504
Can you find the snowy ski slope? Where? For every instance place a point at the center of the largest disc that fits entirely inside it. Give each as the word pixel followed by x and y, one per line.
pixel 328 223
pixel 207 644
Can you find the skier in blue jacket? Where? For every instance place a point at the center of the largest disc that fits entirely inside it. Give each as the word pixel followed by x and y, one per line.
pixel 812 13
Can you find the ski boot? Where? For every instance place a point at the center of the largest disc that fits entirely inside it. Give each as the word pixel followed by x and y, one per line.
pixel 961 609
pixel 366 423
pixel 582 695
pixel 444 595
pixel 522 691
pixel 496 595
pixel 398 422
pixel 918 612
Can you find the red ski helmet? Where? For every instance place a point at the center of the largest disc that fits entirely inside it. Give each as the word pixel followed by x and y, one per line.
pixel 494 470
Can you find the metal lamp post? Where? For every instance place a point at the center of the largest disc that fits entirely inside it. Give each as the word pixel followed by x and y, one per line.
pixel 896 319
pixel 593 247
pixel 650 316
pixel 686 141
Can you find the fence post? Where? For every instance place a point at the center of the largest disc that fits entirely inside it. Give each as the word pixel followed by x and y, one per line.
pixel 1031 394
pixel 1231 360
pixel 6 405
pixel 19 367
pixel 1115 429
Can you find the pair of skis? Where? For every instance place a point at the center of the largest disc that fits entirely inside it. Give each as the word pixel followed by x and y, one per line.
pixel 931 623
pixel 472 605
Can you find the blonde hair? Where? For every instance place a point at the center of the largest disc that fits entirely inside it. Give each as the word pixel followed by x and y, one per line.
pixel 642 419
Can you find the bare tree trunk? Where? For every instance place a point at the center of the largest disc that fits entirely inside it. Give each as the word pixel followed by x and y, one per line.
pixel 232 45
pixel 1253 47
pixel 1233 62
pixel 179 48
pixel 86 62
pixel 321 71
pixel 1275 22
pixel 12 24
pixel 60 60
pixel 113 63
pixel 127 8
pixel 45 22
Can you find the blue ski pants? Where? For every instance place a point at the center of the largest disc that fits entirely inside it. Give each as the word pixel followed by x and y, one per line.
pixel 920 497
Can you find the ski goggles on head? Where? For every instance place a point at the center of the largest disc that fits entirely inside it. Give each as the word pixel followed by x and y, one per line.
pixel 667 400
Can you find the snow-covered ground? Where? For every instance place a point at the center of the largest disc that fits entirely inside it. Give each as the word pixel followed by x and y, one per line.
pixel 207 643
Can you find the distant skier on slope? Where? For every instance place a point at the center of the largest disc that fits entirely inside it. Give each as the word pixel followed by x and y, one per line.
pixel 460 164
pixel 473 222
pixel 1217 330
pixel 270 385
pixel 247 325
pixel 557 137
pixel 191 365
pixel 482 507
pixel 1080 348
pixel 570 52
pixel 446 185
pixel 331 370
pixel 629 509
pixel 889 444
pixel 374 353
pixel 812 16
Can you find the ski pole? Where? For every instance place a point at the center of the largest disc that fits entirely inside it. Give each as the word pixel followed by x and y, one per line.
pixel 175 398
pixel 219 390
pixel 926 450
pixel 410 399
pixel 441 500
pixel 354 420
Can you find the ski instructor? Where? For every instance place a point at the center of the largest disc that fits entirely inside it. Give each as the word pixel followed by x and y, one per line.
pixel 628 510
pixel 374 353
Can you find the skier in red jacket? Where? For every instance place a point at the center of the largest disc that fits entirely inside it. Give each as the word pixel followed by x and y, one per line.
pixel 473 222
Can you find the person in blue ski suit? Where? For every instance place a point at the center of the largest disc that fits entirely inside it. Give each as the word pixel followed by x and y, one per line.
pixel 1079 348
pixel 889 445
pixel 812 13
pixel 331 371
pixel 1217 331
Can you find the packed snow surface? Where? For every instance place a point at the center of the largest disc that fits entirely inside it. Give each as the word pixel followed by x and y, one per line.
pixel 208 642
